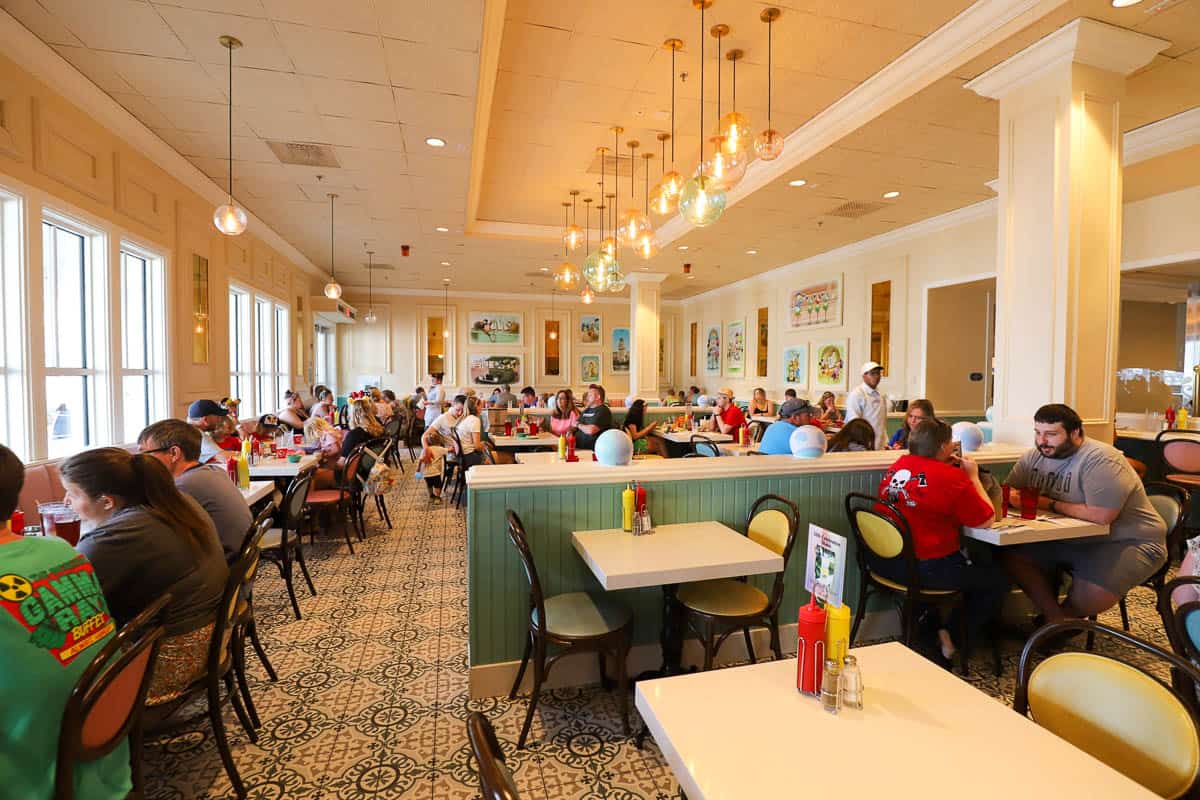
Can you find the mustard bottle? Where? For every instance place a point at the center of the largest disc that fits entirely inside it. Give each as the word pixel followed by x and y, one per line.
pixel 1181 418
pixel 243 469
pixel 562 448
pixel 627 497
pixel 837 631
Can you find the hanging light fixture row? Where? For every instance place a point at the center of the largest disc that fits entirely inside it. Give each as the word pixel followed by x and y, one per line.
pixel 333 289
pixel 370 317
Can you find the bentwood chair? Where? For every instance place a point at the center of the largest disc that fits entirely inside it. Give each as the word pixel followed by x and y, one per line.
pixel 574 622
pixel 1180 452
pixel 343 417
pixel 392 431
pixel 375 450
pixel 886 536
pixel 106 706
pixel 703 446
pixel 1171 502
pixel 284 546
pixel 341 498
pixel 757 430
pixel 246 626
pixel 1182 624
pixel 495 780
pixel 717 608
pixel 1115 709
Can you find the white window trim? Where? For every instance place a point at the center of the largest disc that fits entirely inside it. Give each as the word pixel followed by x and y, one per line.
pixel 282 371
pixel 157 305
pixel 13 257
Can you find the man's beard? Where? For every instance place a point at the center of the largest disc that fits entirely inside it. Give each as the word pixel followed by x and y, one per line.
pixel 1064 450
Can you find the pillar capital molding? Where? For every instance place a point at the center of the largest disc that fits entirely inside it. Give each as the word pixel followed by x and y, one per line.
pixel 1082 41
pixel 646 277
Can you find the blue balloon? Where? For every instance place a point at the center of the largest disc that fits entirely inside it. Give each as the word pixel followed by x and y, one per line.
pixel 807 441
pixel 968 434
pixel 614 448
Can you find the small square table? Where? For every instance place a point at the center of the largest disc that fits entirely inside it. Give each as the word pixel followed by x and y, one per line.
pixel 1046 528
pixel 259 490
pixel 281 467
pixel 746 732
pixel 685 437
pixel 545 459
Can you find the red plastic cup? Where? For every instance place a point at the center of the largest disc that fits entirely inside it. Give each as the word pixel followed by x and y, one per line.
pixel 508 429
pixel 17 523
pixel 1006 495
pixel 1029 503
pixel 298 439
pixel 533 429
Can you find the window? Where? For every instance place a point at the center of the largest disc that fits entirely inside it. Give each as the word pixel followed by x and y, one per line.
pixel 74 319
pixel 259 350
pixel 239 346
pixel 13 420
pixel 143 346
pixel 323 345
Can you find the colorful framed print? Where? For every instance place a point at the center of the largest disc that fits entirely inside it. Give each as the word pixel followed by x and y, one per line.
pixel 620 351
pixel 816 305
pixel 829 365
pixel 488 327
pixel 589 328
pixel 589 369
pixel 490 369
pixel 712 350
pixel 795 365
pixel 735 348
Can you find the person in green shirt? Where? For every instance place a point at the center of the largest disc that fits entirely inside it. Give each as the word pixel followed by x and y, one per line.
pixel 53 622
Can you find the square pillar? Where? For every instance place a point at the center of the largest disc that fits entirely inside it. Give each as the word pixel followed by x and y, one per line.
pixel 645 297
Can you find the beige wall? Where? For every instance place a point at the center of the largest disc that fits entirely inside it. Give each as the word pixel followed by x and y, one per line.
pixel 956 345
pixel 1152 335
pixel 52 151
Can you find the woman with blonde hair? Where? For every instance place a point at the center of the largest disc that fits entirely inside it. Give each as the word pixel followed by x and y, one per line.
pixel 363 427
pixel 563 416
pixel 827 405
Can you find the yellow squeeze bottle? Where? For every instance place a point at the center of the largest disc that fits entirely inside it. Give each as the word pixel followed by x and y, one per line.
pixel 562 448
pixel 837 631
pixel 243 469
pixel 627 509
pixel 1181 418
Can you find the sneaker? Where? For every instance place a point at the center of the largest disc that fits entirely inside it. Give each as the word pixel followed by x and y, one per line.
pixel 435 499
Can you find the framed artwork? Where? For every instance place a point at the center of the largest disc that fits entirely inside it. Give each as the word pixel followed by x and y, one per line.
pixel 712 350
pixel 589 329
pixel 829 365
pixel 488 327
pixel 200 309
pixel 735 348
pixel 816 305
pixel 589 369
pixel 620 351
pixel 795 365
pixel 489 369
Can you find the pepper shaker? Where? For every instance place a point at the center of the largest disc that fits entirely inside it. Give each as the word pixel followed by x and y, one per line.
pixel 831 687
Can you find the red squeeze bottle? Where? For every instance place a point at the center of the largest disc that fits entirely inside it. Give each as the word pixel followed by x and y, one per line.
pixel 231 469
pixel 17 523
pixel 810 647
pixel 639 502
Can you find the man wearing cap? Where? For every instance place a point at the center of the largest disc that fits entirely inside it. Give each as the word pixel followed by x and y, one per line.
pixel 865 402
pixel 207 417
pixel 728 417
pixel 777 440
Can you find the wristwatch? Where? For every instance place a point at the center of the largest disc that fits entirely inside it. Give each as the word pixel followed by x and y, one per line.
pixel 1053 507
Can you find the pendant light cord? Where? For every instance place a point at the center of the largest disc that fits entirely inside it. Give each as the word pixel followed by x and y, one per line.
pixel 701 131
pixel 616 172
pixel 230 48
pixel 718 82
pixel 770 25
pixel 673 51
pixel 370 281
pixel 646 188
pixel 332 271
pixel 735 84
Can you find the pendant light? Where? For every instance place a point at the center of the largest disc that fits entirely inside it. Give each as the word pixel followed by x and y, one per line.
pixel 671 182
pixel 587 296
pixel 594 266
pixel 724 167
pixel 445 308
pixel 769 144
pixel 661 200
pixel 230 218
pixel 734 126
pixel 553 331
pixel 370 317
pixel 701 201
pixel 566 275
pixel 333 289
pixel 608 244
pixel 647 244
pixel 634 222
pixel 614 277
pixel 572 235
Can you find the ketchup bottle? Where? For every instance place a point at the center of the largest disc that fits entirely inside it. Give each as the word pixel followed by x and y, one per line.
pixel 231 469
pixel 571 446
pixel 17 523
pixel 810 647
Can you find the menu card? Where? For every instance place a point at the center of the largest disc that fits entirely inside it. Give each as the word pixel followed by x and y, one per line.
pixel 825 570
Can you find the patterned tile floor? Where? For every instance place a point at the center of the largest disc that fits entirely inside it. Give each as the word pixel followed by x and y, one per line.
pixel 372 697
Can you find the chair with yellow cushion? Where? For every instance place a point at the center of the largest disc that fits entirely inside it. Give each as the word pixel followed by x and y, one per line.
pixel 1116 710
pixel 887 536
pixel 572 622
pixel 715 609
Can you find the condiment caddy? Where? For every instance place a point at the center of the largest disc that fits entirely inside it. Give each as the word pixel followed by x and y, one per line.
pixel 825 669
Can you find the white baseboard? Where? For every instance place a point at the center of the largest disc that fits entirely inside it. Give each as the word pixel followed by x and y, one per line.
pixel 492 680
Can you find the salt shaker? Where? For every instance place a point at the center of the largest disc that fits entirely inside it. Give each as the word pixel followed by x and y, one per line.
pixel 831 685
pixel 852 685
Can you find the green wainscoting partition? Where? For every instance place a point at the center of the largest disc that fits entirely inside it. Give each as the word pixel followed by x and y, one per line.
pixel 499 593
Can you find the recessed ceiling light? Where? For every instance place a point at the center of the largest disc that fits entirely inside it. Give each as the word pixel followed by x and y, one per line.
pixel 445 263
pixel 1125 3
pixel 892 195
pixel 440 229
pixel 799 182
pixel 689 277
pixel 544 269
pixel 682 247
pixel 751 252
pixel 434 141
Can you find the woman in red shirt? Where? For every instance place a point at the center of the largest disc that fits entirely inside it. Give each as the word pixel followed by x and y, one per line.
pixel 938 493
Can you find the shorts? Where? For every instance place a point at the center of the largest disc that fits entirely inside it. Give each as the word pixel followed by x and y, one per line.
pixel 1116 566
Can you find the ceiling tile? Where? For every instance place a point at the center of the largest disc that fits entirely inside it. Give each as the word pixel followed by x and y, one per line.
pixel 334 54
pixel 45 26
pixel 245 148
pixel 179 141
pixel 245 8
pixel 163 77
pixel 534 50
pixel 450 111
pixel 201 32
pixel 352 99
pixel 96 66
pixel 344 15
pixel 291 126
pixel 142 108
pixel 261 88
pixel 447 23
pixel 458 141
pixel 421 66
pixel 189 115
pixel 604 62
pixel 128 26
pixel 384 163
pixel 527 94
pixel 364 134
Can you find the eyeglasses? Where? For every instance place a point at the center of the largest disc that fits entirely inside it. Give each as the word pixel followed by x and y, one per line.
pixel 155 450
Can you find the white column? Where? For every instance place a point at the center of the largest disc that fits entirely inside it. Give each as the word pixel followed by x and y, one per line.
pixel 1058 261
pixel 645 296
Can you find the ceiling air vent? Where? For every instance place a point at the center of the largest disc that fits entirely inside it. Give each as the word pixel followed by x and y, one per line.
pixel 379 266
pixel 624 165
pixel 854 209
pixel 303 154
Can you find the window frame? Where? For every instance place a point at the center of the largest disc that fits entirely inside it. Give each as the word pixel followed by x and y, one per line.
pixel 275 374
pixel 155 336
pixel 15 361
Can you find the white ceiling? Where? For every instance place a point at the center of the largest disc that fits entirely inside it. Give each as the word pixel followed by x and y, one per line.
pixel 374 78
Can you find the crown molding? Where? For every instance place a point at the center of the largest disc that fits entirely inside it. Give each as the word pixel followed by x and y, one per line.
pixel 40 60
pixel 1162 137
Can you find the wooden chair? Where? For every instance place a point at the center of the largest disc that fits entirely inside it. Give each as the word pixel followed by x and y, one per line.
pixel 106 706
pixel 495 780
pixel 343 417
pixel 412 436
pixel 703 446
pixel 1182 625
pixel 887 536
pixel 243 618
pixel 575 621
pixel 340 499
pixel 1180 452
pixel 1115 709
pixel 715 609
pixel 757 431
pixel 374 451
pixel 246 624
pixel 284 546
pixel 393 431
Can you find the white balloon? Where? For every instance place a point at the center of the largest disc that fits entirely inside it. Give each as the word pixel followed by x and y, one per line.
pixel 968 434
pixel 614 448
pixel 807 441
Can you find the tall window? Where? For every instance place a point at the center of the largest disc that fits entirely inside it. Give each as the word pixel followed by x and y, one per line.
pixel 239 346
pixel 12 329
pixel 259 350
pixel 73 292
pixel 323 344
pixel 143 346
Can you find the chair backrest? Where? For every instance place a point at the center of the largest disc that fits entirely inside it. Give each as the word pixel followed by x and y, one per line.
pixel 1116 710
pixel 350 471
pixel 489 452
pixel 516 535
pixel 703 446
pixel 265 515
pixel 495 781
pixel 241 576
pixel 343 417
pixel 392 428
pixel 457 441
pixel 757 430
pixel 295 499
pixel 1182 625
pixel 1180 450
pixel 1172 503
pixel 774 529
pixel 373 451
pixel 880 530
pixel 109 696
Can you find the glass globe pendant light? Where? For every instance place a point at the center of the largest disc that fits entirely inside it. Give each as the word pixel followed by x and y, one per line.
pixel 230 218
pixel 768 145
pixel 646 245
pixel 370 317
pixel 572 234
pixel 594 272
pixel 566 276
pixel 662 200
pixel 701 201
pixel 333 289
pixel 725 169
pixel 614 278
pixel 734 126
pixel 671 181
pixel 634 222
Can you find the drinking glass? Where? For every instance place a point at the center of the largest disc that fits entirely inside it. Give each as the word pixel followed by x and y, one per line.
pixel 67 525
pixel 48 511
pixel 1029 502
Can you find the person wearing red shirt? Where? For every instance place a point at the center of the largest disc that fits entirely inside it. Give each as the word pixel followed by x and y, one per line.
pixel 938 493
pixel 728 417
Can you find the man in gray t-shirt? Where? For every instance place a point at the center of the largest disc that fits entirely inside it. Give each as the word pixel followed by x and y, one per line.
pixel 1088 480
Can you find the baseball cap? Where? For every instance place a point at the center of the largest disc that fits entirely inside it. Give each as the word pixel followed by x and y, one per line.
pixel 725 390
pixel 870 365
pixel 269 421
pixel 794 406
pixel 206 408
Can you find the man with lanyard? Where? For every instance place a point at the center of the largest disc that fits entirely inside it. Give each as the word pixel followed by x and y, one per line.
pixel 865 402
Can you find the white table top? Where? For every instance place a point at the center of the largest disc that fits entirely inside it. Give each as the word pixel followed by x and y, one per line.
pixel 746 732
pixel 738 449
pixel 763 418
pixel 1046 528
pixel 680 553
pixel 543 439
pixel 280 467
pixel 584 456
pixel 685 437
pixel 1137 433
pixel 258 490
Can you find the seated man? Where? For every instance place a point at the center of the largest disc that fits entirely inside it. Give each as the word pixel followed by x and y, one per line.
pixel 595 419
pixel 937 495
pixel 177 446
pixel 777 439
pixel 208 418
pixel 529 398
pixel 1085 479
pixel 728 417
pixel 506 399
